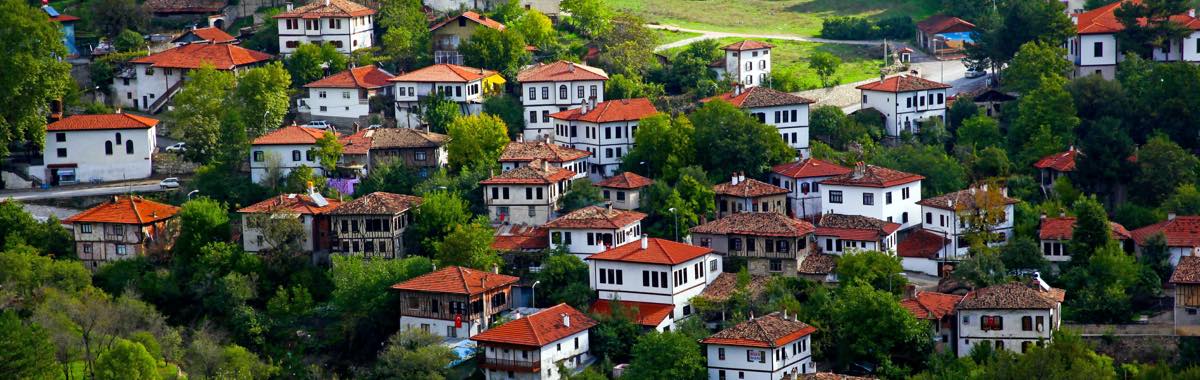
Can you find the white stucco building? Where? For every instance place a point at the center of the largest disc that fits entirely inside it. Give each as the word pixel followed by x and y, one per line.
pixel 747 63
pixel 773 346
pixel 594 229
pixel 310 209
pixel 344 98
pixel 531 348
pixel 605 129
pixel 839 234
pixel 152 80
pixel 802 179
pixel 786 112
pixel 1095 49
pixel 466 86
pixel 948 215
pixel 526 195
pixel 289 148
pixel 1012 316
pixel 346 25
pixel 905 102
pixel 453 302
pixel 555 87
pixel 105 148
pixel 659 276
pixel 1181 232
pixel 520 153
pixel 1055 233
pixel 624 190
pixel 874 191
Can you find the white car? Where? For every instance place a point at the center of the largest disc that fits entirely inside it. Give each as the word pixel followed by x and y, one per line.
pixel 320 124
pixel 975 73
pixel 169 183
pixel 176 148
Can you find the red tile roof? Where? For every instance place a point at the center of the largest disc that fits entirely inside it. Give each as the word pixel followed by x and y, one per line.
pixel 1183 231
pixel 625 180
pixel 378 203
pixel 368 77
pixel 963 199
pixel 125 209
pixel 522 238
pixel 474 17
pixel 748 188
pixel 101 122
pixel 1102 20
pixel 1187 272
pixel 931 305
pixel 298 203
pixel 809 168
pixel 902 83
pixel 536 173
pixel 938 24
pixel 873 176
pixel 215 35
pixel 457 280
pixel 560 71
pixel 770 331
pixel 657 251
pixel 185 6
pixel 357 143
pixel 444 73
pixel 747 45
pixel 520 151
pixel 403 138
pixel 1062 228
pixel 291 135
pixel 596 217
pixel 538 329
pixel 610 111
pixel 855 227
pixel 1063 162
pixel 644 313
pixel 921 244
pixel 1013 295
pixel 328 8
pixel 756 224
pixel 193 56
pixel 756 97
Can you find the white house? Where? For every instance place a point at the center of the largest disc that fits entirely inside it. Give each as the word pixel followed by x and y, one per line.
pixel 905 102
pixel 520 153
pixel 284 149
pixel 344 97
pixel 944 215
pixel 309 208
pixel 786 112
pixel 1012 316
pixel 747 63
pixel 555 87
pixel 605 129
pixel 771 243
pixel 548 7
pixel 110 147
pixel 1054 234
pixel 532 347
pixel 874 191
pixel 938 310
pixel 773 346
pixel 466 86
pixel 802 179
pixel 658 276
pixel 594 229
pixel 743 194
pixel 838 234
pixel 624 191
pixel 1181 232
pixel 454 302
pixel 526 195
pixel 1095 47
pixel 346 25
pixel 154 79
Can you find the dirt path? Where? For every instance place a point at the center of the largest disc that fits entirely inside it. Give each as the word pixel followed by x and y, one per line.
pixel 708 35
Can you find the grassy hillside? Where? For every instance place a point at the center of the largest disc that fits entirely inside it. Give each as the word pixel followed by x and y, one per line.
pixel 799 17
pixel 858 62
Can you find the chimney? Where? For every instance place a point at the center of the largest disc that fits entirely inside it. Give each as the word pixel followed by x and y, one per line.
pixel 734 179
pixel 741 177
pixel 310 187
pixel 288 5
pixel 1171 215
pixel 737 89
pixel 593 101
pixel 571 67
pixel 327 3
pixel 645 242
pixel 860 169
pixel 583 110
pixel 1192 12
pixel 495 268
pixel 520 137
pixel 910 291
pixel 566 320
pixel 785 313
pixel 1043 216
pixel 609 205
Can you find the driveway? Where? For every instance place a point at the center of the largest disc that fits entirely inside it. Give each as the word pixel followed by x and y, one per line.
pixel 147 186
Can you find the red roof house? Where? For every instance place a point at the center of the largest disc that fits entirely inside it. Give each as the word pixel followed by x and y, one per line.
pixel 194 56
pixel 561 71
pixel 454 302
pixel 610 111
pixel 902 83
pixel 560 325
pixel 769 331
pixel 120 228
pixel 809 168
pixel 626 181
pixel 102 122
pixel 363 77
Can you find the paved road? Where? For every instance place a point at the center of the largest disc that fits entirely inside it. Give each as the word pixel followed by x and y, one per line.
pixel 708 35
pixel 83 191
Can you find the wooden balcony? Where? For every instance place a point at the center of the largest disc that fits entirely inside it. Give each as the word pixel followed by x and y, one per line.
pixel 509 364
pixel 760 254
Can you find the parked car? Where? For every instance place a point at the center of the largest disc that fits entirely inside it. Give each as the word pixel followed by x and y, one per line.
pixel 321 124
pixel 169 183
pixel 176 148
pixel 975 73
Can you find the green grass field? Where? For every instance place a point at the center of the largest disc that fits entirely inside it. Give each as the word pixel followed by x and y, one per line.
pixel 858 62
pixel 798 17
pixel 669 36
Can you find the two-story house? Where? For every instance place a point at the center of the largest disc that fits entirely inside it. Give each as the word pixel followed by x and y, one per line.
pixel 533 347
pixel 1012 316
pixel 454 302
pixel 1186 279
pixel 802 179
pixel 520 153
pixel 949 215
pixel 425 151
pixel 1055 165
pixel 373 225
pixel 594 229
pixel 346 25
pixel 938 310
pixel 1054 234
pixel 110 147
pixel 743 194
pixel 772 243
pixel 526 195
pixel 605 129
pixel 155 78
pixel 1095 48
pixel 310 209
pixel 121 228
pixel 773 346
pixel 839 233
pixel 452 32
pixel 657 277
pixel 466 86
pixel 876 192
pixel 905 102
pixel 548 88
pixel 280 151
pixel 1181 232
pixel 624 191
pixel 786 112
pixel 344 98
pixel 747 63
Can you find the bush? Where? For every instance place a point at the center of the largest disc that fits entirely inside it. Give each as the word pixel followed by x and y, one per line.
pixel 859 28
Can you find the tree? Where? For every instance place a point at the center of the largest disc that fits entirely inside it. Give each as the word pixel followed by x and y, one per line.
pixel 394 177
pixel 620 86
pixel 590 17
pixel 689 69
pixel 438 215
pixel 627 47
pixel 1096 97
pixel 825 64
pixel 1163 166
pixel 985 267
pixel 581 194
pixel 535 28
pixel 25 349
pixel 878 269
pixel 991 162
pixel 25 273
pixel 614 335
pixel 468 245
pixel 35 73
pixel 942 173
pixel 47 238
pixel 406 37
pixel 310 62
pixel 1106 163
pixel 1100 287
pixel 870 325
pixel 201 220
pixel 499 50
pixel 999 35
pixel 1157 256
pixel 1034 60
pixel 438 112
pixel 508 11
pixel 1024 253
pixel 1047 107
pixel 263 89
pixel 126 360
pixel 734 141
pixel 282 231
pixel 689 197
pixel 963 108
pixel 1091 231
pixel 328 151
pixel 564 279
pixel 413 354
pixel 666 355
pixel 129 40
pixel 1149 26
pixel 508 108
pixel 112 17
pixel 476 141
pixel 363 300
pixel 665 147
pixel 199 106
pixel 266 38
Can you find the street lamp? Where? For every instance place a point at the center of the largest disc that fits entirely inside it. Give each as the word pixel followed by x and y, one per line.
pixel 902 274
pixel 676 215
pixel 192 193
pixel 533 294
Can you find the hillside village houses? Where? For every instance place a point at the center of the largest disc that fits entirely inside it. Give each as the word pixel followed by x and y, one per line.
pixel 121 228
pixel 520 153
pixel 1054 236
pixel 373 225
pixel 1055 165
pixel 1012 316
pixel 1094 49
pixel 526 195
pixel 746 63
pixel 594 229
pixel 277 153
pixel 1186 279
pixel 454 302
pixel 1182 234
pixel 66 25
pixel 771 243
pixel 605 129
pixel 549 8
pixel 311 209
pixel 466 86
pixel 773 346
pixel 548 88
pixel 876 192
pixel 105 148
pixel 658 277
pixel 943 35
pixel 949 216
pixel 802 179
pixel 624 191
pixel 838 234
pixel 905 101
pixel 346 25
pixel 150 81
pixel 203 35
pixel 534 346
pixel 938 309
pixel 786 112
pixel 423 150
pixel 452 32
pixel 743 194
pixel 344 98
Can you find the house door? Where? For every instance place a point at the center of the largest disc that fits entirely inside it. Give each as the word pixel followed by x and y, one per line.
pixel 145 103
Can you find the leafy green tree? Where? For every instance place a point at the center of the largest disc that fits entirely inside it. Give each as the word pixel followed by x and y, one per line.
pixel 942 172
pixel 736 142
pixel 963 108
pixel 878 269
pixel 1034 60
pixel 999 34
pixel 112 17
pixel 413 354
pixel 614 335
pixel 363 300
pixel 129 40
pixel 1096 97
pixel 581 194
pixel 35 73
pixel 1163 166
pixel 1063 190
pixel 502 51
pixel 328 151
pixel 508 108
pixel 468 245
pixel 476 141
pixel 47 238
pixel 589 17
pixel 438 112
pixel 439 214
pixel 689 197
pixel 991 162
pixel 25 349
pixel 535 28
pixel 392 177
pixel 980 131
pixel 666 355
pixel 1108 149
pixel 870 325
pixel 24 272
pixel 201 220
pixel 564 279
pixel 266 38
pixel 263 89
pixel 665 147
pixel 508 11
pixel 198 111
pixel 1100 288
pixel 1149 26
pixel 126 360
pixel 825 64
pixel 406 37
pixel 1047 106
pixel 689 69
pixel 1024 253
pixel 984 268
pixel 310 62
pixel 1156 256
pixel 298 179
pixel 627 47
pixel 1091 231
pixel 1185 201
pixel 1157 102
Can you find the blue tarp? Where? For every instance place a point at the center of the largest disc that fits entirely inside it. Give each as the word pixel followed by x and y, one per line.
pixel 958 36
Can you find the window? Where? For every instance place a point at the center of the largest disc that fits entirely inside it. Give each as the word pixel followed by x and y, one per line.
pixel 1027 323
pixel 579 92
pixel 1097 49
pixel 835 196
pixel 420 156
pixel 887 198
pixel 562 91
pixel 60 137
pixel 85 228
pixel 122 250
pixel 735 244
pixel 108 148
pixel 532 93
pixel 904 193
pixel 546 92
pixel 749 66
pixel 721 355
pixel 87 248
pixel 532 115
pixel 904 217
pixel 868 199
pixel 991 322
pixel 345 94
pixel 128 146
pixel 545 116
pixel 929 218
pixel 61 152
pixel 776 265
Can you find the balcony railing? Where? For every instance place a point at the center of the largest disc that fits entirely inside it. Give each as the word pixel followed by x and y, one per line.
pixel 509 364
pixel 763 254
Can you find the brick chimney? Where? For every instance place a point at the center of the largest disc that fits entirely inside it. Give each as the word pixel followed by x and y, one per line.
pixel 734 179
pixel 860 169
